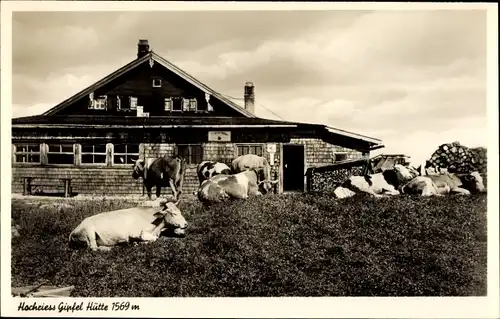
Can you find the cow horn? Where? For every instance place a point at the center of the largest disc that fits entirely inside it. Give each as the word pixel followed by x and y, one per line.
pixel 177 203
pixel 275 181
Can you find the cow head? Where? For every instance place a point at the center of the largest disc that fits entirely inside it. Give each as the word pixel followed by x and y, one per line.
pixel 138 168
pixel 172 217
pixel 473 182
pixel 264 182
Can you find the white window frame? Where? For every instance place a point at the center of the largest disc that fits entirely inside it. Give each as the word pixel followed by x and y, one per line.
pixel 49 152
pixel 126 154
pixel 24 152
pixel 99 103
pixel 93 153
pixel 157 85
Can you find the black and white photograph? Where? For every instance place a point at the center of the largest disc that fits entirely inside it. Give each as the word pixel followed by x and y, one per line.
pixel 159 155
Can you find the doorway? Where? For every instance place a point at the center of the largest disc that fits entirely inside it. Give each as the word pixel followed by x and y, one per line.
pixel 293 167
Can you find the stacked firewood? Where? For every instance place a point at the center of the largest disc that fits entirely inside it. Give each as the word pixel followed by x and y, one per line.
pixel 328 180
pixel 457 158
pixel 480 159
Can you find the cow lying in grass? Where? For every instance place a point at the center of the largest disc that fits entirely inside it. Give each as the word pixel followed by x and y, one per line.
pixel 445 183
pixel 137 224
pixel 238 186
pixel 388 182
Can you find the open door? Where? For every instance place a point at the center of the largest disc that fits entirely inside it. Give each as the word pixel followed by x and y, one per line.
pixel 293 167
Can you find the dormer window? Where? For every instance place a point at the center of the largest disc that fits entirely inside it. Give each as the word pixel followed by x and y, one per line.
pixel 157 83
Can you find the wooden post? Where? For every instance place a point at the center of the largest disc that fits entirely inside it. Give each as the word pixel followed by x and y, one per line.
pixel 44 159
pixel 27 185
pixel 109 154
pixel 67 187
pixel 275 186
pixel 77 150
pixel 13 153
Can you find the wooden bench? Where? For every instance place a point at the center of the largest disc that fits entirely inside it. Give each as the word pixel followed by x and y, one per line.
pixel 29 187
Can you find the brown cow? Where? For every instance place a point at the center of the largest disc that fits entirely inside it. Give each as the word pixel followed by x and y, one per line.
pixel 163 171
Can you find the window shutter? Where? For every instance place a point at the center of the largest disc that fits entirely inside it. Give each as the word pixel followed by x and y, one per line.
pixel 192 104
pixel 168 104
pixel 185 104
pixel 133 103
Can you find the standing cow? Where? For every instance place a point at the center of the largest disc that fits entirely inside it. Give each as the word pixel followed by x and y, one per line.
pixel 163 171
pixel 207 169
pixel 259 164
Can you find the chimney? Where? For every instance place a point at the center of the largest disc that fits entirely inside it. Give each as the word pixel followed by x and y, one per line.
pixel 142 48
pixel 249 97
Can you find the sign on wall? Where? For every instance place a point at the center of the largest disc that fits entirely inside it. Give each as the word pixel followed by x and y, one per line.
pixel 219 136
pixel 271 149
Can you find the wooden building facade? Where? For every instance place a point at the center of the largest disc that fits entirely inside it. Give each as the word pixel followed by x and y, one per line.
pixel 150 108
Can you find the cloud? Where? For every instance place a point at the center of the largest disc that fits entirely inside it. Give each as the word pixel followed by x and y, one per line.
pixel 408 77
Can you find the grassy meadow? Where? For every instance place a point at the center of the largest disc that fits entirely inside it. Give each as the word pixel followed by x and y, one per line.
pixel 276 245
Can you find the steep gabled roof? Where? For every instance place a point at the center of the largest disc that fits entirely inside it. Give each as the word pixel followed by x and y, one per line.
pixel 135 63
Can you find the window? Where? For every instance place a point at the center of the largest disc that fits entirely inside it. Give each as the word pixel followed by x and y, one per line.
pixel 133 103
pixel 98 103
pixel 340 156
pixel 27 153
pixel 93 153
pixel 125 153
pixel 250 149
pixel 177 104
pixel 168 104
pixel 192 104
pixel 60 154
pixel 192 153
pixel 156 83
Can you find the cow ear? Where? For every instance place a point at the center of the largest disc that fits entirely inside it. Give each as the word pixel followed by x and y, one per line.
pixel 158 215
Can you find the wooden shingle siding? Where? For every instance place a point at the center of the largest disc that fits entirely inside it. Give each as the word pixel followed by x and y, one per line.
pixel 319 153
pixel 112 180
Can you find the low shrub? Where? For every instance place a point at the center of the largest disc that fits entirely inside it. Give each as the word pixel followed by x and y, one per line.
pixel 276 245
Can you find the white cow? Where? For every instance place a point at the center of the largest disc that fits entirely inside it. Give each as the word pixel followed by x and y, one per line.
pixel 387 182
pixel 137 224
pixel 445 183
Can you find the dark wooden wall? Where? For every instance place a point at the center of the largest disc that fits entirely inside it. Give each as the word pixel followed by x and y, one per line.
pixel 138 83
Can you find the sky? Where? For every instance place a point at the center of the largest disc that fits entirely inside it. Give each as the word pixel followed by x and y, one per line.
pixel 415 79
